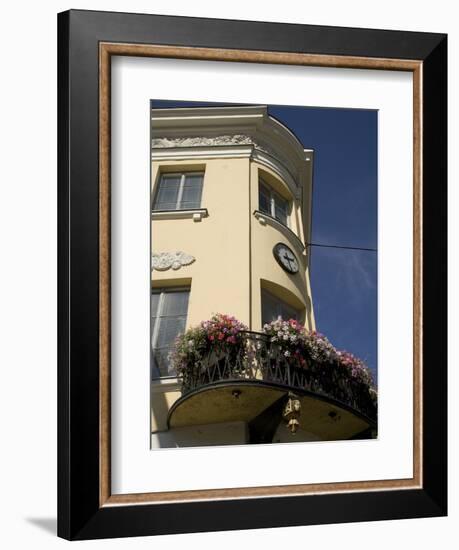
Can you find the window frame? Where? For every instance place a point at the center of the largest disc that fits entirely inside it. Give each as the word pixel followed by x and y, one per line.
pixel 183 176
pixel 155 327
pixel 273 194
pixel 300 313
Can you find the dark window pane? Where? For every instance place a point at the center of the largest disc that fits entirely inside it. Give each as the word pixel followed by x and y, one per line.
pixel 272 308
pixel 192 191
pixel 167 195
pixel 264 200
pixel 160 363
pixel 168 329
pixel 175 303
pixel 281 209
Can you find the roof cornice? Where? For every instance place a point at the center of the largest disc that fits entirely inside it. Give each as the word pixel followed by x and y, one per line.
pixel 214 131
pixel 234 125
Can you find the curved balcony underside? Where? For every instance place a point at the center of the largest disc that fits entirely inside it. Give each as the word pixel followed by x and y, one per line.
pixel 260 404
pixel 254 384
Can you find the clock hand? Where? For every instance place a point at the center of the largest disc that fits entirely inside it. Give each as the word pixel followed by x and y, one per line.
pixel 289 258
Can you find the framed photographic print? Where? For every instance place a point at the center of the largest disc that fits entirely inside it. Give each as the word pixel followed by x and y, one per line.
pixel 252 275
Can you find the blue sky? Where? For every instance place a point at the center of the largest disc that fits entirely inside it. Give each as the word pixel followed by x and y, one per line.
pixel 344 213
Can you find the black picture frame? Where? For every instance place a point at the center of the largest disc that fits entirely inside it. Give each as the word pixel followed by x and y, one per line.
pixel 80 515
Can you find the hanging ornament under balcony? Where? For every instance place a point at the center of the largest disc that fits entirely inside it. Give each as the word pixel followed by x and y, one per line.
pixel 292 412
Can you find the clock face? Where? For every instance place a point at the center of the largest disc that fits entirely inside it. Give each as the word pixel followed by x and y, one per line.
pixel 286 258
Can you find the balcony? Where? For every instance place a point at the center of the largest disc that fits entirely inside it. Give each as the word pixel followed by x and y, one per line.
pixel 256 383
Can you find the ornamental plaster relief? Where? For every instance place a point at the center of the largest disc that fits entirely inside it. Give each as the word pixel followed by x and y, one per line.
pixel 201 141
pixel 206 141
pixel 162 261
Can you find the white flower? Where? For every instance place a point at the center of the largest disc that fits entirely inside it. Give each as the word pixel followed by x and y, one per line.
pixel 293 337
pixel 287 353
pixel 279 334
pixel 273 339
pixel 285 337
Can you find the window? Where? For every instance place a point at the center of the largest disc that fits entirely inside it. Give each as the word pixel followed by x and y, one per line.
pixel 272 307
pixel 179 191
pixel 273 204
pixel 169 312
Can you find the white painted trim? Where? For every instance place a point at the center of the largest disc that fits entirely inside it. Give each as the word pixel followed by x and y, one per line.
pixel 276 166
pixel 187 153
pixel 182 176
pixel 154 335
pixel 163 385
pixel 208 117
pixel 196 214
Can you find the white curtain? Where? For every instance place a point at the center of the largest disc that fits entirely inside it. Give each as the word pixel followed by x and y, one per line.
pixel 169 312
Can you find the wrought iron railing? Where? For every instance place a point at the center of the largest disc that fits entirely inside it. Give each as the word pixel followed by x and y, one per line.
pixel 256 358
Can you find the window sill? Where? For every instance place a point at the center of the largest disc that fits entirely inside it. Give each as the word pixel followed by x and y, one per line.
pixel 196 214
pixel 162 385
pixel 267 219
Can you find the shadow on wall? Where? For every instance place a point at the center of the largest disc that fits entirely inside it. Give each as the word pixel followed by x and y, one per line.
pixel 225 433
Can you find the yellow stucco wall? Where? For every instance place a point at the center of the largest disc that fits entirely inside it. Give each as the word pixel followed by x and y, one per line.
pixel 233 251
pixel 220 242
pixel 161 401
pixel 266 272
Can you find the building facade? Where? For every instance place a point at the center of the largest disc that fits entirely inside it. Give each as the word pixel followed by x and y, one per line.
pixel 230 223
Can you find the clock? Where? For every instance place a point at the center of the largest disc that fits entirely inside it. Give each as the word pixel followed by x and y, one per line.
pixel 286 258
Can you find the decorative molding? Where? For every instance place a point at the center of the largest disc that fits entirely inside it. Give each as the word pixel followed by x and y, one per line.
pixel 221 146
pixel 195 214
pixel 276 165
pixel 162 261
pixel 171 142
pixel 187 153
pixel 201 141
pixel 206 141
pixel 288 233
pixel 235 132
pixel 231 126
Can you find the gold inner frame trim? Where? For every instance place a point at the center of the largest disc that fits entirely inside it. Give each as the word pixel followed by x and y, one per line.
pixel 108 49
